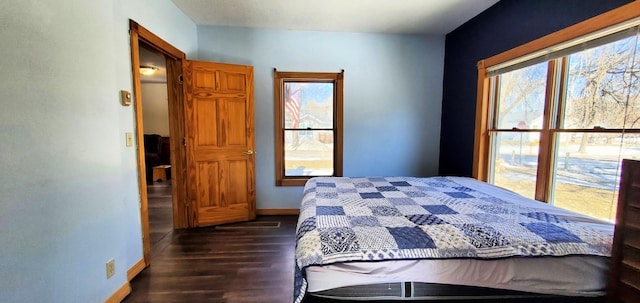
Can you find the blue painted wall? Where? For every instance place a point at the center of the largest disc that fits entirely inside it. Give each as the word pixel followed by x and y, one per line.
pixel 392 96
pixel 506 25
pixel 68 185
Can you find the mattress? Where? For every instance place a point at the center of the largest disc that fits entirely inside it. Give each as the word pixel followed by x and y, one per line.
pixel 444 230
pixel 566 276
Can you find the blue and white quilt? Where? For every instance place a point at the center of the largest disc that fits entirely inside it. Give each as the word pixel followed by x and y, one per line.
pixel 372 219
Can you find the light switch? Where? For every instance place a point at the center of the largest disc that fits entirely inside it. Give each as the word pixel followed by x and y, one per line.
pixel 128 139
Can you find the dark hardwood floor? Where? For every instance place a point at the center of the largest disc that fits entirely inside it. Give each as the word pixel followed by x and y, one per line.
pixel 233 263
pixel 160 210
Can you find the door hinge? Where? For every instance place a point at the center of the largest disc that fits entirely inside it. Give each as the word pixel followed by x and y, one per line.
pixel 184 141
pixel 180 79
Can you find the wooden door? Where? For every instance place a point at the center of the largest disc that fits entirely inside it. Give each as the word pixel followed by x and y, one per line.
pixel 219 142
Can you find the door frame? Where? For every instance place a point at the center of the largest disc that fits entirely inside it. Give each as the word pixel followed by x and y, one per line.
pixel 174 58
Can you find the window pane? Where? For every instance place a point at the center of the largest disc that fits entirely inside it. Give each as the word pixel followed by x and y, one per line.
pixel 308 153
pixel 586 172
pixel 599 80
pixel 308 105
pixel 521 97
pixel 514 161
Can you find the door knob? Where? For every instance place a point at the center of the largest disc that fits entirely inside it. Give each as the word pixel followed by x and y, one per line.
pixel 249 152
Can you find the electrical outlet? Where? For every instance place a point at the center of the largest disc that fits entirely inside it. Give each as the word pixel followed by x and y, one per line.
pixel 111 268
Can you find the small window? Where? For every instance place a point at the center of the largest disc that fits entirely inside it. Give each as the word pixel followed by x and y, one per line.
pixel 308 118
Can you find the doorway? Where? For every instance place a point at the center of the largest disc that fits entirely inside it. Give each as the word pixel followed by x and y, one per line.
pixel 155 117
pixel 142 40
pixel 220 165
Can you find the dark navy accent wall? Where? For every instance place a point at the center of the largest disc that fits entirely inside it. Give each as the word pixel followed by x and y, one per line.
pixel 507 24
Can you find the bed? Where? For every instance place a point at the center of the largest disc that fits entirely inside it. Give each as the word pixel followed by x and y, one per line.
pixel 443 239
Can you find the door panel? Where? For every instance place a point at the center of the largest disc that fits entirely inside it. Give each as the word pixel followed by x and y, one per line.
pixel 206 112
pixel 231 82
pixel 236 136
pixel 220 142
pixel 208 179
pixel 204 79
pixel 237 175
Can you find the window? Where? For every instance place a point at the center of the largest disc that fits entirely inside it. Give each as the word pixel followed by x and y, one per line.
pixel 554 125
pixel 308 118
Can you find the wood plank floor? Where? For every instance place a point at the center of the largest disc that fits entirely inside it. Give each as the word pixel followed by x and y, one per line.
pixel 160 210
pixel 232 264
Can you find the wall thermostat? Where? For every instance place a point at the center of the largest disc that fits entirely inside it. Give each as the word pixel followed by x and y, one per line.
pixel 125 97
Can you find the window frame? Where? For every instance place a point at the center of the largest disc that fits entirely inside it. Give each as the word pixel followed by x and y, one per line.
pixel 279 80
pixel 485 97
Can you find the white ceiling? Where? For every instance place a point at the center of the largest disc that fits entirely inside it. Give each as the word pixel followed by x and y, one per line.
pixel 379 16
pixel 375 16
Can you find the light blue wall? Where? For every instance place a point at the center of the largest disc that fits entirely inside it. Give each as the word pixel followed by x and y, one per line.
pixel 392 96
pixel 68 185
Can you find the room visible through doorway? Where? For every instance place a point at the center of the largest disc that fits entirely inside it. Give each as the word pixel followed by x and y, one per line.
pixel 155 116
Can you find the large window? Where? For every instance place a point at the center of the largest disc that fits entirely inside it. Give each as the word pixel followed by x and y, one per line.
pixel 555 127
pixel 308 117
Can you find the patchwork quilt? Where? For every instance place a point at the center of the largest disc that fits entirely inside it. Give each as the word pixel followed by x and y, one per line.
pixel 359 219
